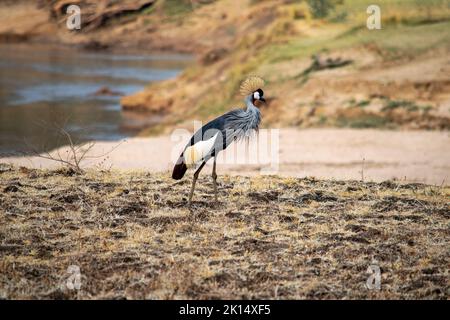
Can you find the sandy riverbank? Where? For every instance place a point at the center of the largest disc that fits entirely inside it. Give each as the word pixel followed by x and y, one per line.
pixel 413 156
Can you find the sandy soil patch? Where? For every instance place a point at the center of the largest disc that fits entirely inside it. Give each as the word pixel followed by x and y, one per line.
pixel 372 155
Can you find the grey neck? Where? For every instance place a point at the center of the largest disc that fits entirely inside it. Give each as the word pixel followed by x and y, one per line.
pixel 249 103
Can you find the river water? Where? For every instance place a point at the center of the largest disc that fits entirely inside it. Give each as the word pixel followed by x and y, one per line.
pixel 43 88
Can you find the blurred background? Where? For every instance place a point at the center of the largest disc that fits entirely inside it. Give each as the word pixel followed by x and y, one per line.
pixel 146 67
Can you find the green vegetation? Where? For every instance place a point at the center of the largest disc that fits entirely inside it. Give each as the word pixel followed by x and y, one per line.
pixel 176 7
pixel 406 104
pixel 393 41
pixel 321 8
pixel 367 120
pixel 402 11
pixel 406 29
pixel 361 104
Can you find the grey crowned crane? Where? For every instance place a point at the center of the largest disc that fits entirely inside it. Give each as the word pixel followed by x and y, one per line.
pixel 217 134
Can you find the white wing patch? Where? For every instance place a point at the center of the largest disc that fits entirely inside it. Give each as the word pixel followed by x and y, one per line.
pixel 196 153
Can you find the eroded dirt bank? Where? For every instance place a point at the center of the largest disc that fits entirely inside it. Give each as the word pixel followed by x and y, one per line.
pixel 395 78
pixel 157 25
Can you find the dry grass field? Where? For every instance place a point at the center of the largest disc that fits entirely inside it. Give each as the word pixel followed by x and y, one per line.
pixel 132 236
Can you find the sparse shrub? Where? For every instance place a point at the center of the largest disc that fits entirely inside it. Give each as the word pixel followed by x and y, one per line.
pixel 362 103
pixel 339 17
pixel 321 8
pixel 176 7
pixel 74 154
pixel 299 11
pixel 362 121
pixel 322 119
pixel 405 104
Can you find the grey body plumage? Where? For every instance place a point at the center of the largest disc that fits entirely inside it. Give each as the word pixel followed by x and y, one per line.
pixel 232 126
pixel 243 122
pixel 218 134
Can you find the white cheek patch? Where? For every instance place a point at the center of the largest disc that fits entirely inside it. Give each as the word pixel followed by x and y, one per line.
pixel 256 95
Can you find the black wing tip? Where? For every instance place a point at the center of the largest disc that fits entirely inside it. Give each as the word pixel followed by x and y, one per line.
pixel 179 170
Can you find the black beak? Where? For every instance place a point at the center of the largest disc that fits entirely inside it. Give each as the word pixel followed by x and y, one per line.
pixel 262 99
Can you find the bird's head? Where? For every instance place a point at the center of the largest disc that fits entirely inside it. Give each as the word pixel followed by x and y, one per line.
pixel 258 95
pixel 251 88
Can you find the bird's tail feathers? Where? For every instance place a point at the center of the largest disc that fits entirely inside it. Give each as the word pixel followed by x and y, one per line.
pixel 193 155
pixel 180 169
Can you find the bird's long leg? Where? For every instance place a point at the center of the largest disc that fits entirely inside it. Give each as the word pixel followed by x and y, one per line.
pixel 194 180
pixel 214 176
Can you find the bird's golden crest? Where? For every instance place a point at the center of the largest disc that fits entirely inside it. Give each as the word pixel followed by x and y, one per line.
pixel 251 84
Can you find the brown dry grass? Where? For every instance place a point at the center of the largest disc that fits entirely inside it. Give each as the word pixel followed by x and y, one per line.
pixel 133 237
